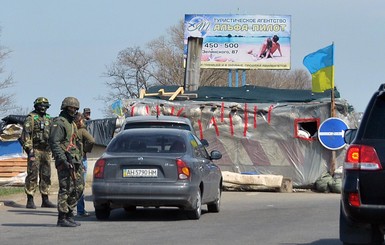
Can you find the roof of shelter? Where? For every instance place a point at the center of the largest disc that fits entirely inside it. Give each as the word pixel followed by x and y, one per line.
pixel 249 93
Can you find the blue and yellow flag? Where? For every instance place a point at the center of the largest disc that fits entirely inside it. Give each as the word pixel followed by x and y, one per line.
pixel 117 108
pixel 321 66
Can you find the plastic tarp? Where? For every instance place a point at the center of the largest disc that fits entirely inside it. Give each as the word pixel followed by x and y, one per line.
pixel 101 129
pixel 10 149
pixel 257 138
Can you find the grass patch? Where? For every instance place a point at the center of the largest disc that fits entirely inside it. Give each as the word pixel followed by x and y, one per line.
pixel 9 190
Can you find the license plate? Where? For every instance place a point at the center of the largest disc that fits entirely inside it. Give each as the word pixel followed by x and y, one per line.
pixel 152 173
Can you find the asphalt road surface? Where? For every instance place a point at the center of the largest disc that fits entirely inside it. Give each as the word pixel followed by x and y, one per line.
pixel 245 218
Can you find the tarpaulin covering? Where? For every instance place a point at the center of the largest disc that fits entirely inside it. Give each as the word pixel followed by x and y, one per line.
pixel 101 129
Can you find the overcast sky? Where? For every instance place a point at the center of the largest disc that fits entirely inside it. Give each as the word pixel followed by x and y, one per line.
pixel 62 48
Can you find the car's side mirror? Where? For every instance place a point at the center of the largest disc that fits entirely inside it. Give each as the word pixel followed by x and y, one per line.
pixel 349 136
pixel 215 155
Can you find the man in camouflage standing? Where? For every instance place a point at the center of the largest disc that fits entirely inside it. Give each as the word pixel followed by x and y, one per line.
pixel 67 151
pixel 34 139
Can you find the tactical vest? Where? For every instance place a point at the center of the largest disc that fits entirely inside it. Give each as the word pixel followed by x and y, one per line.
pixel 40 130
pixel 71 143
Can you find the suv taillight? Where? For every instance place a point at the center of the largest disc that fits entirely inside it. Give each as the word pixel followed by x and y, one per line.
pixel 183 170
pixel 99 169
pixel 362 157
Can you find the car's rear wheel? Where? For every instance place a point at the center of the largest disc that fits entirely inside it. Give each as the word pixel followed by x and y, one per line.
pixel 352 233
pixel 102 212
pixel 216 205
pixel 197 211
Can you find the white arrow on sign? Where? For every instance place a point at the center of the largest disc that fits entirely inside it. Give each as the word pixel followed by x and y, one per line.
pixel 332 133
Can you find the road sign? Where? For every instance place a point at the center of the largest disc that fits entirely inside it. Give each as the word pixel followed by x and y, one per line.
pixel 331 133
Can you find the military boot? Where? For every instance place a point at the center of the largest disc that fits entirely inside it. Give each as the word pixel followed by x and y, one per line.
pixel 46 203
pixel 63 222
pixel 30 203
pixel 70 218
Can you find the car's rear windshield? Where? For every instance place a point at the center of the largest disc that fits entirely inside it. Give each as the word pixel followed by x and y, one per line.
pixel 148 144
pixel 157 125
pixel 374 129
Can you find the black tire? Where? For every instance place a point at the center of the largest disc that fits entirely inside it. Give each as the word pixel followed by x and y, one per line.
pixel 353 233
pixel 197 211
pixel 215 206
pixel 102 213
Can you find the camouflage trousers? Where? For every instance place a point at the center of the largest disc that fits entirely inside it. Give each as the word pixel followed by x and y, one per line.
pixel 38 168
pixel 70 189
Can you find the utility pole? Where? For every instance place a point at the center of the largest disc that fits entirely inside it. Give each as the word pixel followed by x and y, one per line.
pixel 192 69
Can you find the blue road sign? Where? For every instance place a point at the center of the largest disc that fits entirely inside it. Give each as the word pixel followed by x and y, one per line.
pixel 331 133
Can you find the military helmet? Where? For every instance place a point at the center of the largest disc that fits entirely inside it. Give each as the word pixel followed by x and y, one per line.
pixel 41 101
pixel 70 101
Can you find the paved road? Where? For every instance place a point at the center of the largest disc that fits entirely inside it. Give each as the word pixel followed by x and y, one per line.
pixel 245 218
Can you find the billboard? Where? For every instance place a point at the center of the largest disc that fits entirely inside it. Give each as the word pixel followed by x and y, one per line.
pixel 233 41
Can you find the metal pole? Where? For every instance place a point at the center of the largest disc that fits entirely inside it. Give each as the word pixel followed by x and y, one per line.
pixel 236 78
pixel 230 78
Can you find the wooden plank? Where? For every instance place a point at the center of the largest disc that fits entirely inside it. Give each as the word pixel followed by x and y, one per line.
pixel 15 159
pixel 13 169
pixel 3 175
pixel 6 164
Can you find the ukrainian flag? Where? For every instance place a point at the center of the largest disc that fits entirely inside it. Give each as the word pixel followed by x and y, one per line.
pixel 117 108
pixel 321 66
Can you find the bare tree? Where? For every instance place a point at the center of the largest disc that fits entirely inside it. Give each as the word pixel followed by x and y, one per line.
pixel 168 57
pixel 6 81
pixel 130 73
pixel 283 79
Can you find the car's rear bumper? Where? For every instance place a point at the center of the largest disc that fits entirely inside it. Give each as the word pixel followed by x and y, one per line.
pixel 144 194
pixel 370 214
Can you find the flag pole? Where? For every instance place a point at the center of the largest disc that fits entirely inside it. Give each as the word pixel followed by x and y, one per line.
pixel 332 114
pixel 332 110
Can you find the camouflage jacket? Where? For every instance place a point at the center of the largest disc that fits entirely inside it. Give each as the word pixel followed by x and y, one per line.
pixel 64 138
pixel 36 131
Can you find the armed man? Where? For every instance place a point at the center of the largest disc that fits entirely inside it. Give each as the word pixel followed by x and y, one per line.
pixel 34 139
pixel 67 150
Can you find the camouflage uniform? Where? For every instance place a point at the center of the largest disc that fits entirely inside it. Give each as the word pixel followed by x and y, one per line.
pixel 35 140
pixel 67 150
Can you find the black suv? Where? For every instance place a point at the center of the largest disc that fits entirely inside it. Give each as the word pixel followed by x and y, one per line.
pixel 362 214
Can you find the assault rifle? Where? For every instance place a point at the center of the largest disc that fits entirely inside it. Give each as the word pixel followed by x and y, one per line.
pixel 71 168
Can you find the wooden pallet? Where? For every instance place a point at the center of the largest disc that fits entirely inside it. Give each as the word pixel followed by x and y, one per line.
pixel 12 167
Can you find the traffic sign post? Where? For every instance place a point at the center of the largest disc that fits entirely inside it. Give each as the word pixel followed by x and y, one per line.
pixel 331 135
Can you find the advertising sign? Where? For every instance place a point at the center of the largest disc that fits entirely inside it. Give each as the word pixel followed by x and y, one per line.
pixel 241 41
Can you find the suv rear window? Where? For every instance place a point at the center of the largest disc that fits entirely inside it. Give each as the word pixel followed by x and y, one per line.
pixel 375 127
pixel 157 125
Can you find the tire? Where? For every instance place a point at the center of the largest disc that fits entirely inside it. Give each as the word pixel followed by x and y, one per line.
pixel 102 213
pixel 215 207
pixel 197 211
pixel 354 233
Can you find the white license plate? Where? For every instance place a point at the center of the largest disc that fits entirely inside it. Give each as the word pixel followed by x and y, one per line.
pixel 153 173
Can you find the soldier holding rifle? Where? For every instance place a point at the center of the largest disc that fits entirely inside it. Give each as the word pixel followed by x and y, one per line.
pixel 67 151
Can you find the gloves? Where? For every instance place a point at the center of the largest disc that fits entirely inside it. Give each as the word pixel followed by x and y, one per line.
pixel 67 165
pixel 31 155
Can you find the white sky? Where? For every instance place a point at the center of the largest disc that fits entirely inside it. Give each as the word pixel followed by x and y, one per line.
pixel 62 48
